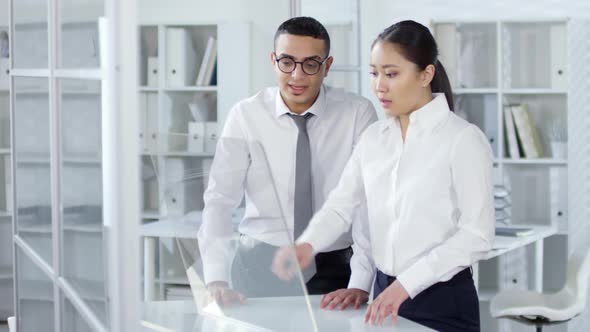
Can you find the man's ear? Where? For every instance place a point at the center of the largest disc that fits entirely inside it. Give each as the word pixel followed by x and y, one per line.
pixel 273 58
pixel 328 63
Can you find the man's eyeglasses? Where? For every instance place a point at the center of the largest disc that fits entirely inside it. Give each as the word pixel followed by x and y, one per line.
pixel 309 66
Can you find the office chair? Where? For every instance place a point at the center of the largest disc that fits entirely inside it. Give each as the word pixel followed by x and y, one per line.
pixel 539 309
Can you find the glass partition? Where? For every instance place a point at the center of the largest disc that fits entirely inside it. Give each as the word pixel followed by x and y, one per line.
pixel 188 262
pixel 30 39
pixel 31 146
pixel 34 296
pixel 78 33
pixel 82 241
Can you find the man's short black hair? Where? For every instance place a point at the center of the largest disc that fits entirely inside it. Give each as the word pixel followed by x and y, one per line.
pixel 304 26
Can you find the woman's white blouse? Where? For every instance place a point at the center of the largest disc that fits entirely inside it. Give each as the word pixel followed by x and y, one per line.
pixel 430 198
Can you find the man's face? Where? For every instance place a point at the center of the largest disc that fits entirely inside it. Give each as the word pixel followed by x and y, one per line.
pixel 298 89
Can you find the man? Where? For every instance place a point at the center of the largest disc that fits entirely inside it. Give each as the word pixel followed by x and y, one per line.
pixel 300 136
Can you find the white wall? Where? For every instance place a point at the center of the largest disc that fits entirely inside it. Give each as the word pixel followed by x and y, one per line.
pixel 376 15
pixel 3 13
pixel 263 15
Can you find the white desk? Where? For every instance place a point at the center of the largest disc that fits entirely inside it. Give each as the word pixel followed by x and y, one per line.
pixel 504 244
pixel 169 228
pixel 289 314
pixel 188 230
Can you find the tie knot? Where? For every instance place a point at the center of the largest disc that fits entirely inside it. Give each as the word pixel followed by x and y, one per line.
pixel 301 120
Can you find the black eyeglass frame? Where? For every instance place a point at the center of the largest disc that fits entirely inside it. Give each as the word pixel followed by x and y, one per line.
pixel 301 63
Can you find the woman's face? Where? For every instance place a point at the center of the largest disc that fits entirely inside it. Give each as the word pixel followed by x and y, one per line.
pixel 398 83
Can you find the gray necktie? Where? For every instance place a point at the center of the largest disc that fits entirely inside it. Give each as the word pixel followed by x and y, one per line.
pixel 303 185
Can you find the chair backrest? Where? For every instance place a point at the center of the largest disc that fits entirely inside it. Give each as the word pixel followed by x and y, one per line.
pixel 578 277
pixel 12 324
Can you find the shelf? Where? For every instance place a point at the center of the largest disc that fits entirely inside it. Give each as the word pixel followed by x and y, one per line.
pixel 35 290
pixel 82 160
pixel 46 92
pixel 534 92
pixel 151 215
pixel 147 89
pixel 5 214
pixel 486 295
pixel 45 159
pixel 4 151
pixel 192 89
pixel 84 228
pixel 462 91
pixel 173 280
pixel 179 154
pixel 32 226
pixel 539 161
pixel 88 289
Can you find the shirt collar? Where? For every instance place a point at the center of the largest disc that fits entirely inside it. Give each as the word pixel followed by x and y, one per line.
pixel 317 108
pixel 427 117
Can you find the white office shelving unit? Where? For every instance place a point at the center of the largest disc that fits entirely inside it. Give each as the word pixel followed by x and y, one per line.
pixel 6 264
pixel 174 171
pixel 344 29
pixel 492 64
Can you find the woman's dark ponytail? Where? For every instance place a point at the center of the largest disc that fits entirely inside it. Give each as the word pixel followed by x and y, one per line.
pixel 441 83
pixel 417 45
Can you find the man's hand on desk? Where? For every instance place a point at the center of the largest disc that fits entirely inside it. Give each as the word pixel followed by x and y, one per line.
pixel 223 295
pixel 342 298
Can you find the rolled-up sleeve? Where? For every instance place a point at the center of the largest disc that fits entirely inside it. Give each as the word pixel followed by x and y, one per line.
pixel 224 193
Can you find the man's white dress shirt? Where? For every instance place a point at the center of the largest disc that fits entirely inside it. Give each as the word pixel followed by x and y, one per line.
pixel 429 198
pixel 257 147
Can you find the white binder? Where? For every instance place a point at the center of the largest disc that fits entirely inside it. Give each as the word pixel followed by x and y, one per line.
pixel 4 73
pixel 8 184
pixel 152 74
pixel 180 58
pixel 211 140
pixel 196 137
pixel 174 189
pixel 148 131
pixel 558 57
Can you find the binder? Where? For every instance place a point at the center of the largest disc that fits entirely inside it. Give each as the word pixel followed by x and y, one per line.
pixel 180 58
pixel 196 137
pixel 208 63
pixel 4 73
pixel 148 130
pixel 510 133
pixel 152 74
pixel 558 55
pixel 211 132
pixel 527 132
pixel 8 184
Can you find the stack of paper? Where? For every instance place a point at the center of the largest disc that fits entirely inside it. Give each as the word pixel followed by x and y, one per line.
pixel 178 293
pixel 502 199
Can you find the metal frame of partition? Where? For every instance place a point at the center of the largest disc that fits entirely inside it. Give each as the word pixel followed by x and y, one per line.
pixel 120 167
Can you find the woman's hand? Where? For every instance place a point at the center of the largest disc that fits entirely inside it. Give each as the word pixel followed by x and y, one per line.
pixel 388 302
pixel 283 264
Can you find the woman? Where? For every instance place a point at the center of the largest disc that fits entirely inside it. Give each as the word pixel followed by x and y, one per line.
pixel 426 175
